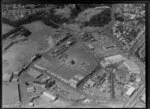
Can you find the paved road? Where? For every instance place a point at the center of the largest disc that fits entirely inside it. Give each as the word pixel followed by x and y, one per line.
pixel 112 85
pixel 140 64
pixel 132 100
pixel 136 45
pixel 141 89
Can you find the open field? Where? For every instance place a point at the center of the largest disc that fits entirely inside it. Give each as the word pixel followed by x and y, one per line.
pixel 41 33
pixel 21 53
pixel 68 73
pixel 10 94
pixel 17 55
pixel 6 28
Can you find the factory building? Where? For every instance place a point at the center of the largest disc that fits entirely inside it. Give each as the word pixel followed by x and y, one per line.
pixel 77 66
pixel 79 77
pixel 134 72
pixel 34 73
pixel 31 89
pixel 130 90
pixel 39 67
pixel 14 79
pixel 104 63
pixel 115 58
pixel 73 82
pixel 131 65
pixel 112 59
pixel 49 95
pixel 16 73
pixel 7 77
pixel 89 83
pixel 138 78
pixel 91 46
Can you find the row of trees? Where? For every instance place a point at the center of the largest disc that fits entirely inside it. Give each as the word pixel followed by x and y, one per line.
pixel 49 18
pixel 29 19
pixel 141 56
pixel 100 19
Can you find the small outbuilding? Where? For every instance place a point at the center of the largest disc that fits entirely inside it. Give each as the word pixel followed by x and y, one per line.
pixel 34 73
pixel 31 89
pixel 7 77
pixel 49 95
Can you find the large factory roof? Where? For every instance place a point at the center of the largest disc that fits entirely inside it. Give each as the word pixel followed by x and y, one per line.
pixel 115 58
pixel 68 73
pixel 83 63
pixel 84 59
pixel 49 63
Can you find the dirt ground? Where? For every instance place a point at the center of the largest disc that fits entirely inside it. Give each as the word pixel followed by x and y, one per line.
pixel 40 33
pixel 10 94
pixel 6 28
pixel 19 54
pixel 56 104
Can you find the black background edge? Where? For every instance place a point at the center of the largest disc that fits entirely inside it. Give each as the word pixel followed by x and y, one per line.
pixel 147 55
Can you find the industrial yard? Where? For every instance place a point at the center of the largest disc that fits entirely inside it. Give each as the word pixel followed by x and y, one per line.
pixel 61 60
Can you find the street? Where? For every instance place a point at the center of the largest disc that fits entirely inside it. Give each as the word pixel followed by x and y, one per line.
pixel 136 45
pixel 132 100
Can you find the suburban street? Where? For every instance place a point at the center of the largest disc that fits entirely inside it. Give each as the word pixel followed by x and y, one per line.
pixel 141 89
pixel 136 45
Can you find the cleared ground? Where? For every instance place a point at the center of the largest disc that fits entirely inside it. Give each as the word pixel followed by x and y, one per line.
pixel 6 28
pixel 139 104
pixel 20 53
pixel 41 33
pixel 10 94
pixel 42 103
pixel 102 47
